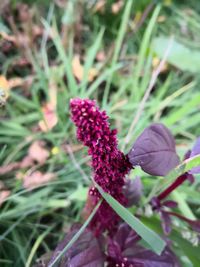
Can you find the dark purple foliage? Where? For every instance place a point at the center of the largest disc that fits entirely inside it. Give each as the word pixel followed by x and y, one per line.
pixel 165 222
pixel 154 151
pixel 195 151
pixel 85 252
pixel 159 206
pixel 195 225
pixel 124 250
pixel 133 190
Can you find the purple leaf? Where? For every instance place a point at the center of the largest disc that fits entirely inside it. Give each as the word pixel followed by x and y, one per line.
pixel 165 222
pixel 133 190
pixel 195 151
pixel 129 253
pixel 195 225
pixel 190 177
pixel 154 151
pixel 85 252
pixel 147 258
pixel 170 204
pixel 126 237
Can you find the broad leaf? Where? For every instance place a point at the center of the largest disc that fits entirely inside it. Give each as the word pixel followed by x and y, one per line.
pixel 64 247
pixel 85 252
pixel 182 57
pixel 154 151
pixel 124 248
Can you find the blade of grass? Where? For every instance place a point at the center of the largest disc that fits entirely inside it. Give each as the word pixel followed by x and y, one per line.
pixel 171 177
pixel 76 236
pixel 156 243
pixel 142 53
pixel 3 149
pixel 101 78
pixel 182 205
pixel 118 45
pixel 92 51
pixel 36 245
pixel 177 115
pixel 63 56
pixel 163 104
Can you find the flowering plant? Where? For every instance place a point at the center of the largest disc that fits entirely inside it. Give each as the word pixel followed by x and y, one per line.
pixel 107 240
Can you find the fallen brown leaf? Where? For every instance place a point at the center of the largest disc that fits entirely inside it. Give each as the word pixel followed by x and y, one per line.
pixel 4 90
pixel 100 6
pixel 49 109
pixel 155 63
pixel 36 179
pixel 7 85
pixel 7 37
pixel 92 74
pixel 19 176
pixel 2 186
pixel 116 7
pixel 21 39
pixel 15 82
pixel 8 168
pixel 101 56
pixel 78 70
pixel 4 194
pixel 37 152
pixel 50 117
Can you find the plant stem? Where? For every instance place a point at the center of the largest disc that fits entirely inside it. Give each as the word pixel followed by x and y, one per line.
pixel 181 179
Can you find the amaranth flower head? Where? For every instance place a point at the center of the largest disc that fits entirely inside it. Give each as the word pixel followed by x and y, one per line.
pixel 109 164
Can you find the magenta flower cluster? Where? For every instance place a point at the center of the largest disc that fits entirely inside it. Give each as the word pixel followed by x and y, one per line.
pixel 110 165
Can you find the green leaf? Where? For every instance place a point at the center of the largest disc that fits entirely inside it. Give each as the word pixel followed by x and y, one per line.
pixel 156 243
pixel 80 194
pixel 182 57
pixel 179 170
pixel 3 27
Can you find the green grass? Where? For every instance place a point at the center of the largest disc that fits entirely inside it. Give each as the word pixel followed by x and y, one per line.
pixel 32 222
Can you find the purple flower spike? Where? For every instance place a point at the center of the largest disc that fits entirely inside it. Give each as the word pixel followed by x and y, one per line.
pixel 109 164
